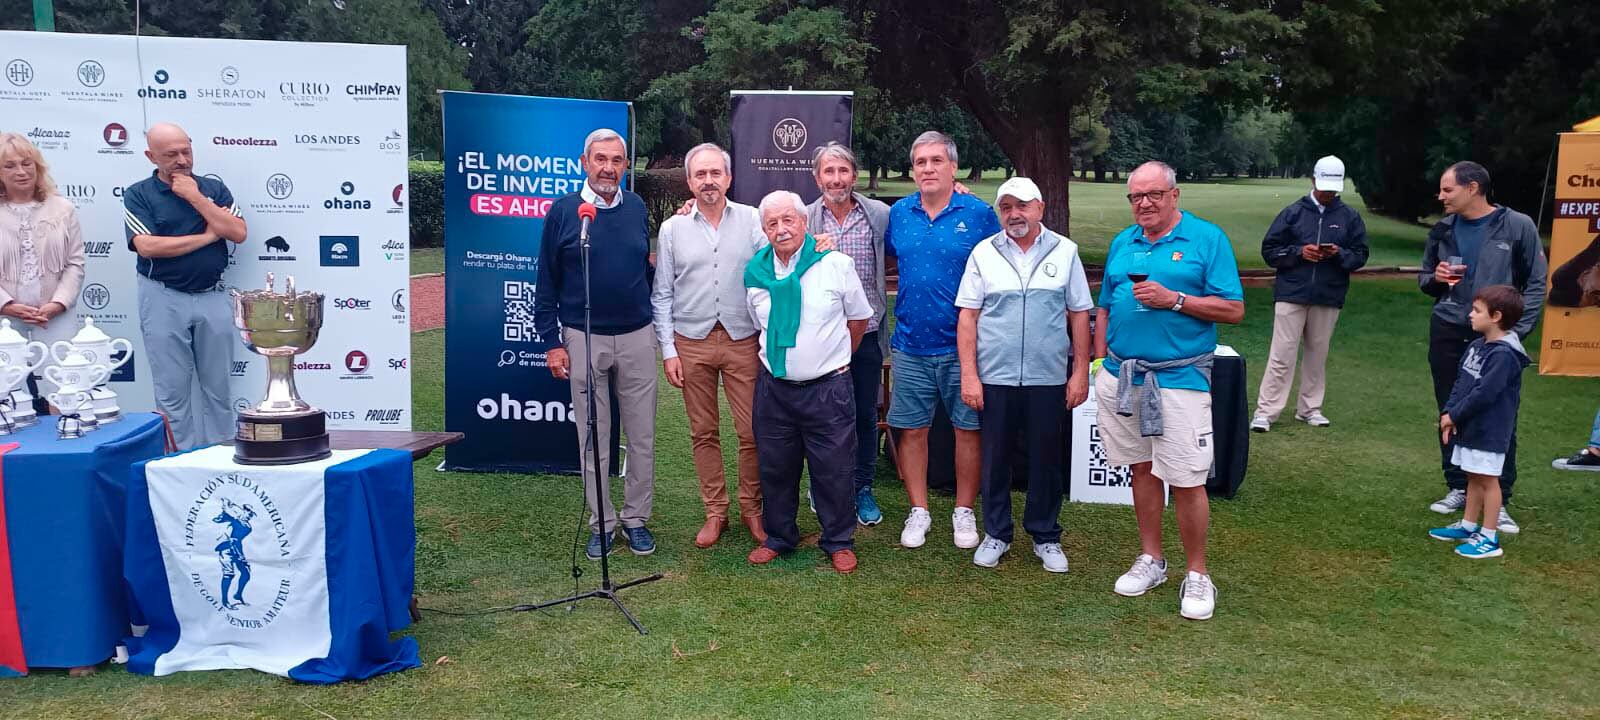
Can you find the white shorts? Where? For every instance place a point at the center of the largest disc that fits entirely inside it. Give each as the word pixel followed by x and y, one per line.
pixel 1181 456
pixel 1478 462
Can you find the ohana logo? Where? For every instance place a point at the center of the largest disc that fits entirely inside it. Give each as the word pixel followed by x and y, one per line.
pixel 232 519
pixel 344 201
pixel 509 408
pixel 789 136
pixel 153 92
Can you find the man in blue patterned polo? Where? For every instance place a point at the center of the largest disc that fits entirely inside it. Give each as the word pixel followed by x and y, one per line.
pixel 931 233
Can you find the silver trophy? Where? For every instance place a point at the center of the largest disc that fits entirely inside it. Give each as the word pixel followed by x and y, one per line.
pixel 282 429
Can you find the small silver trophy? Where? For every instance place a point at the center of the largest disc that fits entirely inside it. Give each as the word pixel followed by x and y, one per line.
pixel 282 429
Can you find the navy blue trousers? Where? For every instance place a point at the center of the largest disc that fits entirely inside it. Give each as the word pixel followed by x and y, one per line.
pixel 814 423
pixel 1039 415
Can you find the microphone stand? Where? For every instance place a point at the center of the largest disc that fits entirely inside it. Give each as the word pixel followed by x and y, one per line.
pixel 607 589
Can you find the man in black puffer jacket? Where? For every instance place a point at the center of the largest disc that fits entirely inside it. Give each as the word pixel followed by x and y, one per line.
pixel 1314 244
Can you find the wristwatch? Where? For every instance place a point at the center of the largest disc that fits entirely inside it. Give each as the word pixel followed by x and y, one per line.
pixel 1178 306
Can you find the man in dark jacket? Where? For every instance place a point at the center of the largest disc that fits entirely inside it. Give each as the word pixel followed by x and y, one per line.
pixel 1314 244
pixel 1476 245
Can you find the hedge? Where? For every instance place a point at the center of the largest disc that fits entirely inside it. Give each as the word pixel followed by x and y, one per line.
pixel 664 191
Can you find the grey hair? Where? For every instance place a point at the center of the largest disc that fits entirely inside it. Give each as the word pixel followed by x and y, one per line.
pixel 602 135
pixel 727 160
pixel 776 199
pixel 932 137
pixel 1166 170
pixel 833 150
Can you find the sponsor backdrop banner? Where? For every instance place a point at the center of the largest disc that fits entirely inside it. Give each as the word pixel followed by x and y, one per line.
pixel 507 158
pixel 1572 309
pixel 774 134
pixel 309 137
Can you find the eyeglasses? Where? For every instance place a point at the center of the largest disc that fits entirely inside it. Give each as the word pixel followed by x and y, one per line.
pixel 1154 196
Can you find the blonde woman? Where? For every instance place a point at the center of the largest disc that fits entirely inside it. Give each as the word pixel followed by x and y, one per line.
pixel 41 244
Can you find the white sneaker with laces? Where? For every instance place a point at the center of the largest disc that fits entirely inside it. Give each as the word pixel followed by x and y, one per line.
pixel 1260 424
pixel 916 530
pixel 1451 502
pixel 965 524
pixel 1146 573
pixel 1506 524
pixel 1051 555
pixel 1199 597
pixel 1316 419
pixel 988 554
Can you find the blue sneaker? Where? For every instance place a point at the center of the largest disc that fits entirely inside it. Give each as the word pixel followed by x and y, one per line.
pixel 867 512
pixel 1452 532
pixel 1479 547
pixel 640 541
pixel 595 540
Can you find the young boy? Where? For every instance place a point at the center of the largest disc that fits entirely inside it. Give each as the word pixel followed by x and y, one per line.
pixel 1481 417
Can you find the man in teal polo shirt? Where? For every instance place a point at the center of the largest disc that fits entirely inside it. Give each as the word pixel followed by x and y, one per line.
pixel 1168 280
pixel 931 233
pixel 180 225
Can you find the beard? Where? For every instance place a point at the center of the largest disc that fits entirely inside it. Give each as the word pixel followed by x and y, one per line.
pixel 1017 231
pixel 603 185
pixel 710 194
pixel 837 196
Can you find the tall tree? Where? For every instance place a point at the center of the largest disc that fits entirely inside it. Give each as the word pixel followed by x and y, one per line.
pixel 1024 69
pixel 492 31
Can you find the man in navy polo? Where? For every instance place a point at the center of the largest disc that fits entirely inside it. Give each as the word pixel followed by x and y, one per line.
pixel 177 222
pixel 931 233
pixel 1169 279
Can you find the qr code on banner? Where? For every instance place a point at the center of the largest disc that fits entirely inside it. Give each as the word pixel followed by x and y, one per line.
pixel 1101 474
pixel 518 296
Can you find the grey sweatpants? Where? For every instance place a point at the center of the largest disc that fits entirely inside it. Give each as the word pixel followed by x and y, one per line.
pixel 188 337
pixel 629 363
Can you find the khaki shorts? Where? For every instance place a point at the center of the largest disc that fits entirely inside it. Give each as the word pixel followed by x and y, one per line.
pixel 1181 456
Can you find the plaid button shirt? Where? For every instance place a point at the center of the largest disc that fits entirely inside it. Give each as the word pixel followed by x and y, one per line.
pixel 854 239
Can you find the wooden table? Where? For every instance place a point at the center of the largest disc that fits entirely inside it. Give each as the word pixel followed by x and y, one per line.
pixel 418 443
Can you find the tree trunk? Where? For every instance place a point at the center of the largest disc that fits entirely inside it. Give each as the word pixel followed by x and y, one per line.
pixel 1040 145
pixel 974 175
pixel 1100 168
pixel 872 178
pixel 1010 171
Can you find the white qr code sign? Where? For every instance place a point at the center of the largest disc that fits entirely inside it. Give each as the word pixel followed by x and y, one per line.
pixel 1094 481
pixel 518 297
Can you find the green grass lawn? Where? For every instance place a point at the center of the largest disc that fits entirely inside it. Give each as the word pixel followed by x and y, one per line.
pixel 427 260
pixel 1333 603
pixel 1243 208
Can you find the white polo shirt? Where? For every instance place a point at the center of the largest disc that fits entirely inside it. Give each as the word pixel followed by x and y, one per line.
pixel 830 295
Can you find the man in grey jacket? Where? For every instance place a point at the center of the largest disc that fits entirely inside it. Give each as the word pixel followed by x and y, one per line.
pixel 856 224
pixel 1476 245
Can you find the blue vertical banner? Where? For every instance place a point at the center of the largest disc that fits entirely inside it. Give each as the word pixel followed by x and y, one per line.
pixel 507 158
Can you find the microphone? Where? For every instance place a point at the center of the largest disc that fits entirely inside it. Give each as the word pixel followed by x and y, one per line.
pixel 587 212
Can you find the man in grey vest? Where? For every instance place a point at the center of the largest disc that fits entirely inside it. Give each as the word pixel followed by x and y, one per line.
pixel 703 323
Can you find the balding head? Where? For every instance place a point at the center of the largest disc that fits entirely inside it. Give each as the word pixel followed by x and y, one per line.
pixel 168 146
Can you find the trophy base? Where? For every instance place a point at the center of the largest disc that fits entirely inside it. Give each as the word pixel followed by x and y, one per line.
pixel 281 440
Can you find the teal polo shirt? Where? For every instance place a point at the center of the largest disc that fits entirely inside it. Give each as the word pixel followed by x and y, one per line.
pixel 1195 259
pixel 152 209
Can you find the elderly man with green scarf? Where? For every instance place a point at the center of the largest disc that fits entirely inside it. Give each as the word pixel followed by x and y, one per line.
pixel 810 313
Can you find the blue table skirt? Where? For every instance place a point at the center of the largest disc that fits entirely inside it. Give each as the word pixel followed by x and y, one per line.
pixel 65 503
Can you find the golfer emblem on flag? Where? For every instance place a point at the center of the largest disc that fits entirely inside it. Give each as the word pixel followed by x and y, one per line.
pixel 221 523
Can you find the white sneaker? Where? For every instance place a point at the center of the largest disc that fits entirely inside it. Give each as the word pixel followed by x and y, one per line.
pixel 1146 573
pixel 1506 524
pixel 966 528
pixel 1315 419
pixel 988 554
pixel 1260 424
pixel 1199 597
pixel 916 531
pixel 1451 502
pixel 1051 555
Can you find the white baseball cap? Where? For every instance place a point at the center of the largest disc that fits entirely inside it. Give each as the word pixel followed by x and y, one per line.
pixel 1328 175
pixel 1020 188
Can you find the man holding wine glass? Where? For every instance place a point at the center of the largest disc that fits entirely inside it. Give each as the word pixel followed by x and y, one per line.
pixel 1170 278
pixel 1475 245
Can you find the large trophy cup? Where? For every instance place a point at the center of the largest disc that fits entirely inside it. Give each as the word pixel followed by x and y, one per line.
pixel 281 429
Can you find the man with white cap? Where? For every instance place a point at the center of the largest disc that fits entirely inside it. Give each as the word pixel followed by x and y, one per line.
pixel 1314 244
pixel 1025 305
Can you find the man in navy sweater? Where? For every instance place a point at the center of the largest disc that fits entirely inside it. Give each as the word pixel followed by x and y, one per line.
pixel 623 338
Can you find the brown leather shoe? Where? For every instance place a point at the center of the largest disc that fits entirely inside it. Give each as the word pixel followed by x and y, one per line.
pixel 762 555
pixel 710 532
pixel 844 561
pixel 757 532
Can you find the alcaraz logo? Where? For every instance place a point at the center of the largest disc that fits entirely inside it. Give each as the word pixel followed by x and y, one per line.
pixel 509 408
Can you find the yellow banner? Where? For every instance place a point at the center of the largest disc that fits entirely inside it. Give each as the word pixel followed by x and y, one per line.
pixel 1572 308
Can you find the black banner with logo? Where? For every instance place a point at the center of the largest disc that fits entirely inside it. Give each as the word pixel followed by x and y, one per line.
pixel 774 134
